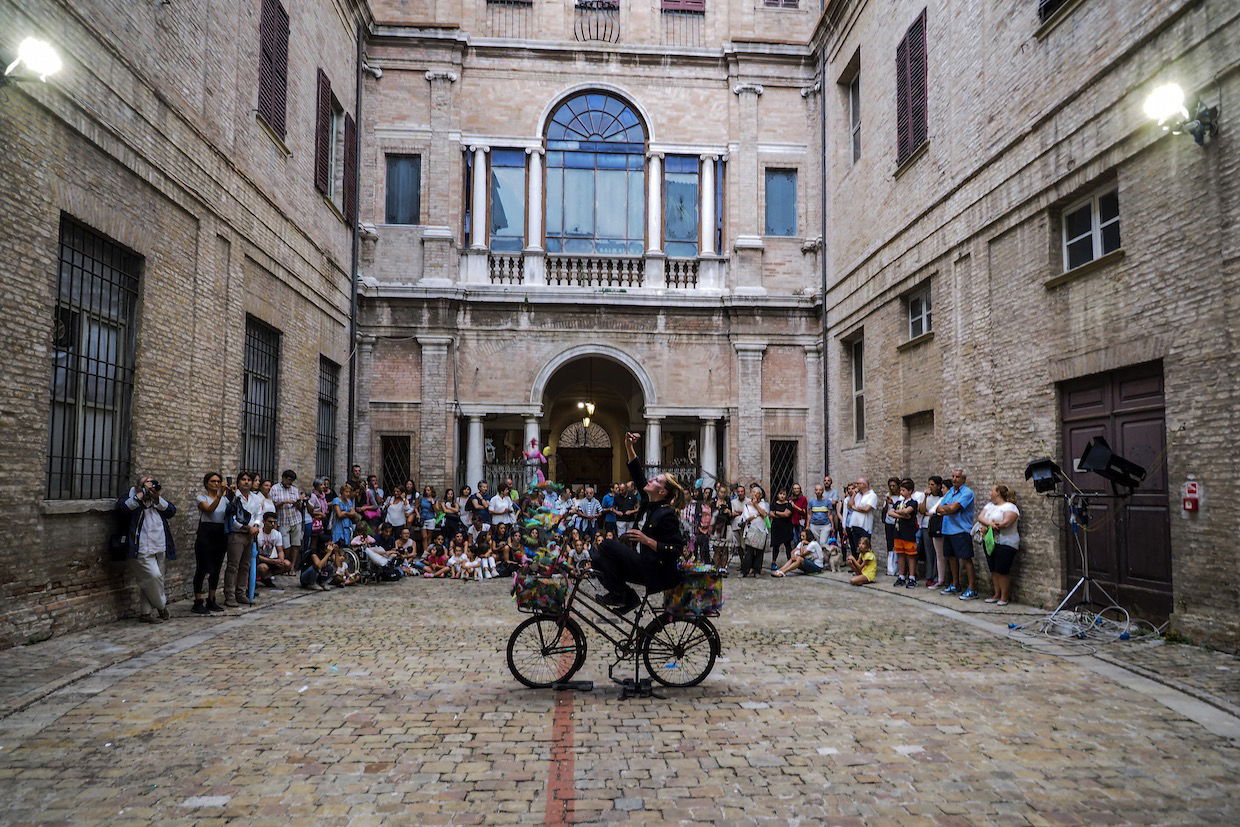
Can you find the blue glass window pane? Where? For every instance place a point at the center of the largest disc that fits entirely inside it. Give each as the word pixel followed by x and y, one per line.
pixel 681 163
pixel 579 160
pixel 610 160
pixel 507 207
pixel 555 202
pixel 781 202
pixel 680 215
pixel 508 157
pixel 681 249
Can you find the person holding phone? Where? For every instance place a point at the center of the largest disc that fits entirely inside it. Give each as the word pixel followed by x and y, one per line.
pixel 150 545
pixel 655 540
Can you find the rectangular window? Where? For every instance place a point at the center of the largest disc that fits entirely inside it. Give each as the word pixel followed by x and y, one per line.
pixel 325 439
pixel 258 423
pixel 781 4
pixel 919 321
pixel 854 116
pixel 857 350
pixel 273 65
pixel 912 108
pixel 404 189
pixel 1047 8
pixel 781 202
pixel 783 466
pixel 1091 229
pixel 681 216
pixel 720 212
pixel 394 451
pixel 507 200
pixel 684 6
pixel 92 366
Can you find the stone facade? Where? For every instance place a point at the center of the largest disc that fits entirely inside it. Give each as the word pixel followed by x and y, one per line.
pixel 159 149
pixel 712 347
pixel 1024 120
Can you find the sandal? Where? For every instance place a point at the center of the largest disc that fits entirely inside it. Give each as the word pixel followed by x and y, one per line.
pixel 777 573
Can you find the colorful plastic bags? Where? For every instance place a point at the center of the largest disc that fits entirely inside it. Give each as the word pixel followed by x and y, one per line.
pixel 541 595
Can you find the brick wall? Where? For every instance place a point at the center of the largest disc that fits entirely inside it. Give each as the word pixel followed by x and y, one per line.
pixel 1021 122
pixel 158 148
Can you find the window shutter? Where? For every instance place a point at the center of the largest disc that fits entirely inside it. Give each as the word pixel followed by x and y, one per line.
pixel 902 102
pixel 323 135
pixel 350 169
pixel 273 64
pixel 698 6
pixel 918 87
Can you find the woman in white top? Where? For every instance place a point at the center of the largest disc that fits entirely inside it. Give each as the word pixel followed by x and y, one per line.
pixel 932 533
pixel 396 510
pixel 755 536
pixel 1001 515
pixel 806 556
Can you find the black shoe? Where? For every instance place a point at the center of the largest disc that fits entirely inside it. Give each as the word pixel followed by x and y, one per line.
pixel 620 603
pixel 200 608
pixel 214 608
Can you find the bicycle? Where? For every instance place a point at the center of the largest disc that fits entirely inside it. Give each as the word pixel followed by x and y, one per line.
pixel 547 649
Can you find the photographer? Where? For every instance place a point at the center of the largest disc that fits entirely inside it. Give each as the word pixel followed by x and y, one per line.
pixel 150 546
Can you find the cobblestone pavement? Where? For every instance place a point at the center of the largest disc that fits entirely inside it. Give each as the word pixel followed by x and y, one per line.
pixel 393 702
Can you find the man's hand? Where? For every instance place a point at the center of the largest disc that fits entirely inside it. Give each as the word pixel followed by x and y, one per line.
pixel 635 536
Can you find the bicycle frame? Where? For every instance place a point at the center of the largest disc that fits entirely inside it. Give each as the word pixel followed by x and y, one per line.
pixel 603 620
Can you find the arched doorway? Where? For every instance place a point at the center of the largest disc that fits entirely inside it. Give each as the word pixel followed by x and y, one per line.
pixel 619 389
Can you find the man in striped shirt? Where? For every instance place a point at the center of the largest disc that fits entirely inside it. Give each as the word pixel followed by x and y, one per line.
pixel 588 511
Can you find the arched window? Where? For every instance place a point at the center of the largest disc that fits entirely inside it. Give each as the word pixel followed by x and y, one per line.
pixel 596 154
pixel 577 435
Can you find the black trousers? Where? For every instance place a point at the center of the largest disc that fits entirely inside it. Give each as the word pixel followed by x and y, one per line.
pixel 210 546
pixel 778 542
pixel 855 533
pixel 618 565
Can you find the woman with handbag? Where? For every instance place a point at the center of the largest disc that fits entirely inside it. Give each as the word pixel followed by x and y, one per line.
pixel 1000 540
pixel 755 536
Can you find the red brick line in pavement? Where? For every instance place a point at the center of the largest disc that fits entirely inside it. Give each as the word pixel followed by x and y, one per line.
pixel 560 787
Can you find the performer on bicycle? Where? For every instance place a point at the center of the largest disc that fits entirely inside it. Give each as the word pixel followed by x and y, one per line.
pixel 656 535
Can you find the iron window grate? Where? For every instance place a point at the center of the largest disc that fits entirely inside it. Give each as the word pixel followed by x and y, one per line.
pixel 394 451
pixel 92 365
pixel 325 438
pixel 262 364
pixel 783 465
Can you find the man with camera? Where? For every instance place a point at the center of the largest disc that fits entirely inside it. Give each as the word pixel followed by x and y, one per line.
pixel 150 546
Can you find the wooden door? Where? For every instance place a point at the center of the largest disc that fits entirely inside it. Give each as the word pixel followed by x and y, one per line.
pixel 585 466
pixel 1130 539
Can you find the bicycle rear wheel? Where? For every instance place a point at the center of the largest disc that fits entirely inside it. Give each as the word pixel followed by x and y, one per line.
pixel 540 654
pixel 679 651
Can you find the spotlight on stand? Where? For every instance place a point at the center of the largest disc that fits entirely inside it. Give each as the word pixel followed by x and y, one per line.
pixel 1045 475
pixel 1101 460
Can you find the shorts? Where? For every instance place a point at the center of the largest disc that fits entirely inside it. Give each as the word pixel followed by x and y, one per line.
pixel 428 525
pixel 810 567
pixel 293 534
pixel 959 546
pixel 1001 559
pixel 908 547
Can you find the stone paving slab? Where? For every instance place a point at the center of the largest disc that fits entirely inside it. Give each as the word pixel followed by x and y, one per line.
pixel 392 702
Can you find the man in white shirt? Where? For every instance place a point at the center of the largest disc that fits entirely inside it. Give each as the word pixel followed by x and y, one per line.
pixel 862 506
pixel 150 546
pixel 501 506
pixel 271 559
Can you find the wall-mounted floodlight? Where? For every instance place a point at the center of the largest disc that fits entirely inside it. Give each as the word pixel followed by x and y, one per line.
pixel 37 57
pixel 1166 106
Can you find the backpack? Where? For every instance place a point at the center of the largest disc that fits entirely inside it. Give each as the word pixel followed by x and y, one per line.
pixel 119 541
pixel 391 572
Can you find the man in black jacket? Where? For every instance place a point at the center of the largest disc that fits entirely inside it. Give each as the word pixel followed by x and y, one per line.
pixel 656 537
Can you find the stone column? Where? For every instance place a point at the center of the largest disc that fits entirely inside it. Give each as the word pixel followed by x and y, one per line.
pixel 654 202
pixel 435 431
pixel 534 210
pixel 749 422
pixel 707 232
pixel 478 199
pixel 362 426
pixel 654 440
pixel 473 452
pixel 709 461
pixel 815 439
pixel 746 270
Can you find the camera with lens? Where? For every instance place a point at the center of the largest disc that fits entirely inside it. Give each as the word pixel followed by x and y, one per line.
pixel 154 486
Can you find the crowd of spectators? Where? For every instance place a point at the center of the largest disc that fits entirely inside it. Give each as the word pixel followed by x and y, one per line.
pixel 931 533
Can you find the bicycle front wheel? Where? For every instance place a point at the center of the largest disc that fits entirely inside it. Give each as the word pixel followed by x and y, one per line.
pixel 679 651
pixel 540 654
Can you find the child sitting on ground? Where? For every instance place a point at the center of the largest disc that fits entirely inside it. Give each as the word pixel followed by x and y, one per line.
pixel 580 557
pixel 317 568
pixel 486 556
pixel 343 576
pixel 437 563
pixel 864 564
pixel 456 563
pixel 471 567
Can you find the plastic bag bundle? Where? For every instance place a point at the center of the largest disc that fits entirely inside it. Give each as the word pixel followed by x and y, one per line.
pixel 540 595
pixel 700 592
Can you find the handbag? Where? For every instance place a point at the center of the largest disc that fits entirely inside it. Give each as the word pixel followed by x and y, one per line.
pixel 756 535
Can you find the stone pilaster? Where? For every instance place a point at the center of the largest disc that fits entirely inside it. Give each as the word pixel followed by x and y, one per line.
pixel 436 434
pixel 815 439
pixel 749 423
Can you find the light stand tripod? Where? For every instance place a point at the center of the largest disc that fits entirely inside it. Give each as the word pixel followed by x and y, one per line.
pixel 1077 505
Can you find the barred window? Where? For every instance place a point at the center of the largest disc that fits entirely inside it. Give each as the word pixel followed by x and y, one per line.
pixel 325 440
pixel 783 465
pixel 92 366
pixel 395 460
pixel 262 365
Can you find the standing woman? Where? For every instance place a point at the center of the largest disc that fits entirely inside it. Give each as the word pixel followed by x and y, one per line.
pixel 754 534
pixel 783 531
pixel 426 509
pixel 211 544
pixel 1001 516
pixel 344 516
pixel 451 513
pixel 658 541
